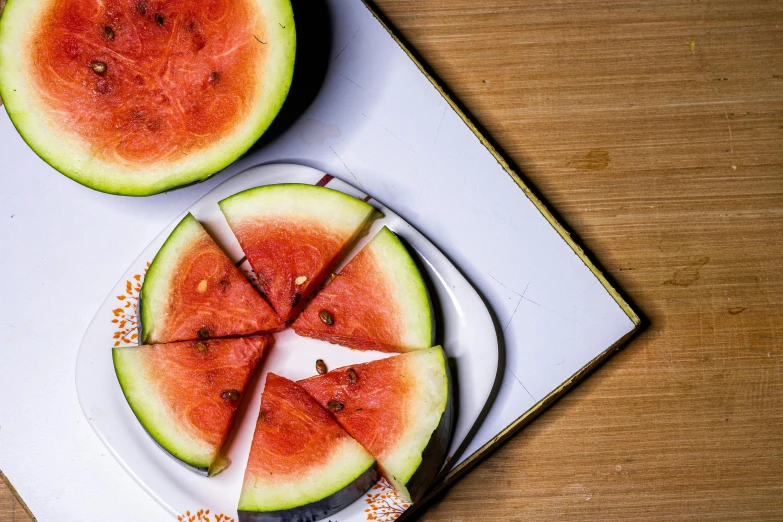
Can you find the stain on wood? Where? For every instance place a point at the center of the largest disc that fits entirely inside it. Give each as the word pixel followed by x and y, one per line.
pixel 688 275
pixel 594 160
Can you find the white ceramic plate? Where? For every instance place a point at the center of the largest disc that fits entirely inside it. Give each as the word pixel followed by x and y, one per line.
pixel 465 330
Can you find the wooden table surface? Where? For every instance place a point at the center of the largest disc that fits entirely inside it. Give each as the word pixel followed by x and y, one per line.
pixel 655 130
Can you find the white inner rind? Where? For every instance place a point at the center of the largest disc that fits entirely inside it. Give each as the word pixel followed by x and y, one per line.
pixel 71 155
pixel 343 214
pixel 155 291
pixel 156 417
pixel 403 277
pixel 347 463
pixel 424 411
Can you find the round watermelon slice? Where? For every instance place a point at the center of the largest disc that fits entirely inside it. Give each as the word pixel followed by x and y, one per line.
pixel 192 290
pixel 186 394
pixel 135 97
pixel 399 409
pixel 302 465
pixel 377 302
pixel 293 235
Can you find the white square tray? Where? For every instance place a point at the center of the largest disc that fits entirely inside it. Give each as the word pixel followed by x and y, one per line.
pixel 376 121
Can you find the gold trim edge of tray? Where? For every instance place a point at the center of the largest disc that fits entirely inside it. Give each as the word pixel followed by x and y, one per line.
pixel 16 495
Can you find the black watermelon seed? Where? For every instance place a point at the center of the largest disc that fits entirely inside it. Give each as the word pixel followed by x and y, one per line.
pixel 326 317
pixel 230 395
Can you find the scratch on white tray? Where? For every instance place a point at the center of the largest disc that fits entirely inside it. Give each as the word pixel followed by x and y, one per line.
pixel 548 309
pixel 422 187
pixel 520 382
pixel 346 45
pixel 348 79
pixel 507 287
pixel 346 166
pixel 512 315
pixel 504 220
pixel 553 365
pixel 440 125
pixel 516 307
pixel 398 138
pixel 521 296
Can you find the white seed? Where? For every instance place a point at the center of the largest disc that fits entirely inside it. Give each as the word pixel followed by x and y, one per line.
pixel 301 279
pixel 202 286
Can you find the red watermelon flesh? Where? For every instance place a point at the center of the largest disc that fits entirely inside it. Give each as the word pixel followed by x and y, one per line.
pixel 281 252
pixel 186 394
pixel 170 80
pixel 377 302
pixel 353 300
pixel 192 290
pixel 293 235
pixel 394 407
pixel 299 455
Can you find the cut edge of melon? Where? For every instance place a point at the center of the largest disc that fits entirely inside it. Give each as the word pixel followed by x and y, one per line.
pixel 298 201
pixel 431 369
pixel 72 157
pixel 403 274
pixel 349 463
pixel 154 288
pixel 154 415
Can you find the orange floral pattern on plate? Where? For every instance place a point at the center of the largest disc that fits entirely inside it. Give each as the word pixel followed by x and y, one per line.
pixel 203 516
pixel 385 504
pixel 126 317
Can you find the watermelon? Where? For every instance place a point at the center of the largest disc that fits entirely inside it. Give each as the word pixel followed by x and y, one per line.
pixel 135 97
pixel 186 394
pixel 302 465
pixel 399 409
pixel 192 290
pixel 293 235
pixel 377 302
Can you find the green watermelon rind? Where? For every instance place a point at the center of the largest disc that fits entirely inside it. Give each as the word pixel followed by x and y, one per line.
pixel 436 449
pixel 349 466
pixel 30 120
pixel 409 284
pixel 297 200
pixel 153 414
pixel 430 367
pixel 154 290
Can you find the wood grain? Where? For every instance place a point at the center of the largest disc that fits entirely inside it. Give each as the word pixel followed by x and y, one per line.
pixel 655 129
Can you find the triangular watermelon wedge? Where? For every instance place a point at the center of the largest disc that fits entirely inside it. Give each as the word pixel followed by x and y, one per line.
pixel 293 235
pixel 399 409
pixel 302 465
pixel 186 394
pixel 192 290
pixel 377 302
